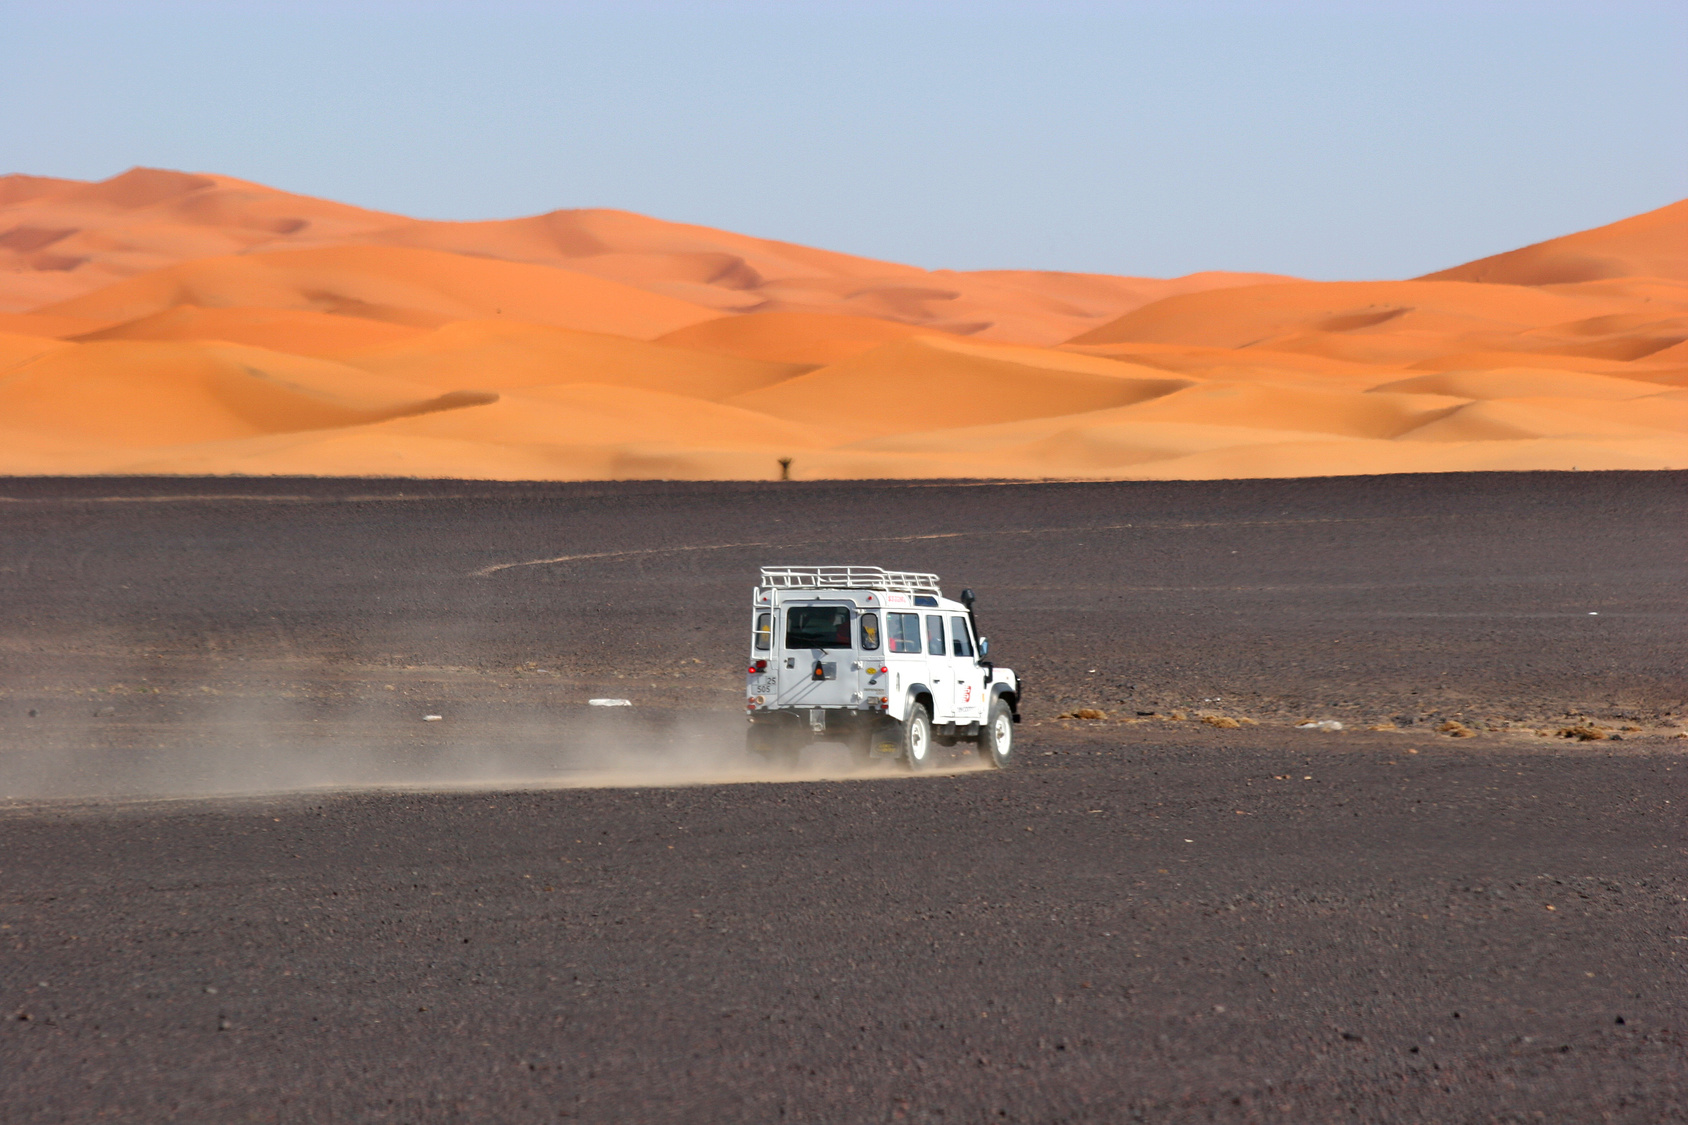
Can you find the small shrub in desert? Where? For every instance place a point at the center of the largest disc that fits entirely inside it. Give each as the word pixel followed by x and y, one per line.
pixel 1223 722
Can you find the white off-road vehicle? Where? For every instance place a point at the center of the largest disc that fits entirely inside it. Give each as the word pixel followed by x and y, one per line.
pixel 877 659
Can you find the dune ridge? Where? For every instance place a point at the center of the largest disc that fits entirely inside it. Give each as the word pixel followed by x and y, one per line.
pixel 170 322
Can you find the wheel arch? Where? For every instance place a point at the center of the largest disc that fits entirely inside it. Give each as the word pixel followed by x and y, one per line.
pixel 1010 696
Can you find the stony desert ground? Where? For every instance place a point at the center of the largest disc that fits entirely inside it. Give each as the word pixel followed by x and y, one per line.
pixel 166 322
pixel 245 881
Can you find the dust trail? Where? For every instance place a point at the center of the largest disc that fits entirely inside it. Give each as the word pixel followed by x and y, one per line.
pixel 250 744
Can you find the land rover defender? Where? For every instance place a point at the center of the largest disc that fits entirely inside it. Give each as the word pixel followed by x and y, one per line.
pixel 879 660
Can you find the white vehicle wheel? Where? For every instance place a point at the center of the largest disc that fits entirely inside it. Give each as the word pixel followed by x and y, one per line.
pixel 996 741
pixel 917 739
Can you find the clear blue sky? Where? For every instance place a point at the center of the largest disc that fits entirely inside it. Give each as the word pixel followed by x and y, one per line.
pixel 1328 140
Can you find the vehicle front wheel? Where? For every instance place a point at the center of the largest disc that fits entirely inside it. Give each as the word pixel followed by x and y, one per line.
pixel 996 741
pixel 917 738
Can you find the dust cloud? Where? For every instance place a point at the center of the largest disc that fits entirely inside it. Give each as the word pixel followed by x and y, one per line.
pixel 249 744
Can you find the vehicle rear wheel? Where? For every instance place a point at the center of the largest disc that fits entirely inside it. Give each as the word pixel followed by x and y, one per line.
pixel 996 741
pixel 917 738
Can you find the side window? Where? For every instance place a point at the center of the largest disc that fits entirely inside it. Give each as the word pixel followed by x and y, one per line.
pixel 961 639
pixel 764 631
pixel 905 632
pixel 934 635
pixel 870 632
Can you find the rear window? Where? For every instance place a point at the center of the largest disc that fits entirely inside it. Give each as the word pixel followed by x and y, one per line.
pixel 817 626
pixel 905 632
pixel 764 631
pixel 870 632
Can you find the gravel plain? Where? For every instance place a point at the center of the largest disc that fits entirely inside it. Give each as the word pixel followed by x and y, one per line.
pixel 241 879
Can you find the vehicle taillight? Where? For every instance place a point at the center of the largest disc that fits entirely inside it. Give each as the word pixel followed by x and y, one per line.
pixel 758 668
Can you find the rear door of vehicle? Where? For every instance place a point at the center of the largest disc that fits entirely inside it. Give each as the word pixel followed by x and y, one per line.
pixel 817 650
pixel 905 644
pixel 940 672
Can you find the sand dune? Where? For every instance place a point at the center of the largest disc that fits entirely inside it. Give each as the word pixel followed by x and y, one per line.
pixel 300 331
pixel 931 379
pixel 505 355
pixel 172 322
pixel 16 349
pixel 1515 382
pixel 60 239
pixel 1652 245
pixel 131 394
pixel 816 339
pixel 419 288
pixel 1429 314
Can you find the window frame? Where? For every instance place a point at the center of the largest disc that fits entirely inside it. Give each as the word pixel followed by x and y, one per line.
pixel 894 637
pixel 961 636
pixel 792 612
pixel 936 638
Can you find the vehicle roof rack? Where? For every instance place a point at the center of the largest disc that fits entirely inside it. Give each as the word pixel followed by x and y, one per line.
pixel 848 578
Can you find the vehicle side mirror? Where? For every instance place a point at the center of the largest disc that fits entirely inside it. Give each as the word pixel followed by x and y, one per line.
pixel 984 646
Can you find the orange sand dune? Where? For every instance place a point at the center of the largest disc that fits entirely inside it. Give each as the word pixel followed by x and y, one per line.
pixel 16 349
pixel 45 324
pixel 790 337
pixel 177 323
pixel 1653 245
pixel 421 288
pixel 63 238
pixel 1267 315
pixel 612 416
pixel 128 394
pixel 734 273
pixel 505 355
pixel 1515 382
pixel 60 239
pixel 300 331
pixel 962 383
pixel 1518 419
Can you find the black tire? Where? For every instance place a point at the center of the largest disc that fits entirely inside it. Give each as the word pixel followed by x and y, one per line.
pixel 917 739
pixel 996 739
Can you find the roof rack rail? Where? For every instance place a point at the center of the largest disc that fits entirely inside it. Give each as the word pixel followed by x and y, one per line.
pixel 848 578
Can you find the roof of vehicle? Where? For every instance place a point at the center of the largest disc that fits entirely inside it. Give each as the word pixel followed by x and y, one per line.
pixel 848 578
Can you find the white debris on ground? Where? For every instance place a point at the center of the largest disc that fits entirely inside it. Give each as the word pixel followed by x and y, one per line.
pixel 1319 724
pixel 432 718
pixel 610 702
